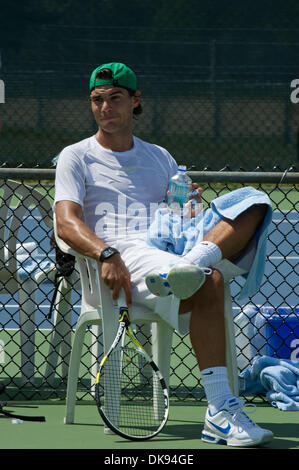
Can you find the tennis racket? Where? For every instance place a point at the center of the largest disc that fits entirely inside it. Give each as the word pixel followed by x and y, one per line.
pixel 131 401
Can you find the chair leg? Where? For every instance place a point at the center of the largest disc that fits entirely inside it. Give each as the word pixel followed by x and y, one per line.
pixel 61 335
pixel 161 347
pixel 73 374
pixel 87 318
pixel 27 305
pixel 231 354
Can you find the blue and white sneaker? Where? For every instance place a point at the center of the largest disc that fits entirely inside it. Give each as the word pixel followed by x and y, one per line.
pixel 231 426
pixel 182 281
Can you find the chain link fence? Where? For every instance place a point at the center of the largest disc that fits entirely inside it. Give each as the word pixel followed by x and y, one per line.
pixel 35 344
pixel 212 97
pixel 242 125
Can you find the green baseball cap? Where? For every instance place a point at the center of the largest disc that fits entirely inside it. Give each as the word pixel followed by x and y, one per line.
pixel 122 76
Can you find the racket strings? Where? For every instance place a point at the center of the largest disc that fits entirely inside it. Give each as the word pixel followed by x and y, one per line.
pixel 134 401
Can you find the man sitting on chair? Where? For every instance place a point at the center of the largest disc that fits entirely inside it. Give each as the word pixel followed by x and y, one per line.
pixel 107 186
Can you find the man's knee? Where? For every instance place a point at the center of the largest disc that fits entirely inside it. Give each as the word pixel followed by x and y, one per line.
pixel 258 211
pixel 212 288
pixel 211 292
pixel 210 297
pixel 214 280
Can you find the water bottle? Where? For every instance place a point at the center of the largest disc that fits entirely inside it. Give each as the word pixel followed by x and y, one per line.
pixel 179 188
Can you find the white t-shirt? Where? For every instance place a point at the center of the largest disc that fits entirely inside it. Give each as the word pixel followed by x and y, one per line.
pixel 118 191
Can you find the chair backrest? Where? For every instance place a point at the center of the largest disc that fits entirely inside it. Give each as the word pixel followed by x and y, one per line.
pixel 89 277
pixel 15 200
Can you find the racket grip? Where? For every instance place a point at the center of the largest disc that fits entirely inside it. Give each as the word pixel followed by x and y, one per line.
pixel 120 302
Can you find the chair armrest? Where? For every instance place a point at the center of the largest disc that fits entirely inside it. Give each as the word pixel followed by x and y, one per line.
pixel 64 246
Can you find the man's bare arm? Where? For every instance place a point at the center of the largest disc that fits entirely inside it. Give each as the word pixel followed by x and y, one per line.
pixel 72 230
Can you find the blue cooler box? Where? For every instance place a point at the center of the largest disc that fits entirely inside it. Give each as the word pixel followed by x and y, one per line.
pixel 267 331
pixel 282 333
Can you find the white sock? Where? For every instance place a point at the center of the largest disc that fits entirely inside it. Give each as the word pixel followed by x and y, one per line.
pixel 205 254
pixel 216 386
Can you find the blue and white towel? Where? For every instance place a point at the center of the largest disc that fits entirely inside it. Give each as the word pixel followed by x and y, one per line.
pixel 170 232
pixel 276 378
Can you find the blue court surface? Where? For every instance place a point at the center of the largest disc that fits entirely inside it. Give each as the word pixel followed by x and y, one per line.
pixel 278 288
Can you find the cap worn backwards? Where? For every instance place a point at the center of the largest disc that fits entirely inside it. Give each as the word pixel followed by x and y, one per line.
pixel 122 76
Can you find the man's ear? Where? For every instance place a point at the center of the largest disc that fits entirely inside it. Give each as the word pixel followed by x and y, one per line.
pixel 137 98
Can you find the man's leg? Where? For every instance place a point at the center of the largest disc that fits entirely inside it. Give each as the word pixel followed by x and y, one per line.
pixel 231 237
pixel 226 240
pixel 207 334
pixel 228 236
pixel 225 420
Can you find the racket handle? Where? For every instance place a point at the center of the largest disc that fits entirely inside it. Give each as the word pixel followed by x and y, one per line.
pixel 121 301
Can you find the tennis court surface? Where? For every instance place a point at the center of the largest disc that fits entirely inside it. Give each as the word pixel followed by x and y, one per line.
pixel 182 431
pixel 186 418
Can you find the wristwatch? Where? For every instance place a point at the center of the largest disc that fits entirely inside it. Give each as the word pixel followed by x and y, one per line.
pixel 107 253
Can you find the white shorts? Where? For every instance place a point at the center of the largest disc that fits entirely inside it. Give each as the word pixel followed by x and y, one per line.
pixel 141 258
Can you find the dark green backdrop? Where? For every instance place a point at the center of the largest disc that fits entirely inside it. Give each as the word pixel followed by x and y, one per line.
pixel 215 77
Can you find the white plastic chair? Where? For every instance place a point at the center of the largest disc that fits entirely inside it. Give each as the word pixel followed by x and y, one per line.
pixel 98 309
pixel 16 199
pixel 23 197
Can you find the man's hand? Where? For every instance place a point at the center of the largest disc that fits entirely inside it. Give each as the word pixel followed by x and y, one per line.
pixel 194 195
pixel 195 191
pixel 116 276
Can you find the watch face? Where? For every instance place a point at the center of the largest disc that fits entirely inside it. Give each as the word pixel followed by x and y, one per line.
pixel 107 252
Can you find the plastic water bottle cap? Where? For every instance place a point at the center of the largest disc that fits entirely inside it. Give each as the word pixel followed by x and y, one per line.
pixel 182 168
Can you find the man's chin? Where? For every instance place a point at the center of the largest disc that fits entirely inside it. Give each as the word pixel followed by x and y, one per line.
pixel 109 128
